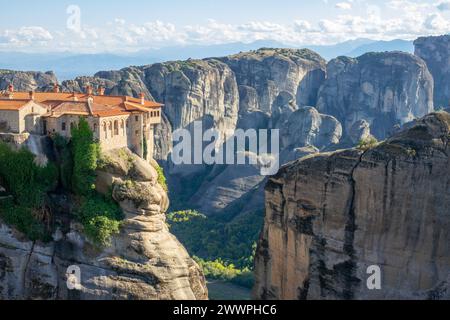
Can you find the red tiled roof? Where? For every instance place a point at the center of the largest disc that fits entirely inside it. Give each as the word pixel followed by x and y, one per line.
pixel 78 103
pixel 12 104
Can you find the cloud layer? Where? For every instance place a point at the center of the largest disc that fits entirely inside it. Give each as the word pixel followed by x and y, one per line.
pixel 411 19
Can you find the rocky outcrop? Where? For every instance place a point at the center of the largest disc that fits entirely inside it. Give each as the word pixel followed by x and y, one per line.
pixel 143 262
pixel 266 73
pixel 436 53
pixel 302 132
pixel 194 90
pixel 385 89
pixel 329 217
pixel 307 127
pixel 26 81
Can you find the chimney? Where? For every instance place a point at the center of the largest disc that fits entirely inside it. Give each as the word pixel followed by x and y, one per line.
pixel 74 97
pixel 142 96
pixel 31 93
pixel 101 90
pixel 56 88
pixel 89 89
pixel 11 91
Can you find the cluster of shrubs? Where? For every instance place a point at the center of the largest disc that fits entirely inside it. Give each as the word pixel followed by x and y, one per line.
pixel 28 208
pixel 99 214
pixel 28 183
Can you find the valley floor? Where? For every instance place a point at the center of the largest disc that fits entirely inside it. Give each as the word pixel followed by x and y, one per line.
pixel 223 290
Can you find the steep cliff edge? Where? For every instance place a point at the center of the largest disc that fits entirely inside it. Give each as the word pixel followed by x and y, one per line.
pixel 331 216
pixel 436 53
pixel 385 89
pixel 143 262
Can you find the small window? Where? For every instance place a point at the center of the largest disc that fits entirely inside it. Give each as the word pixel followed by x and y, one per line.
pixel 137 118
pixel 63 126
pixel 136 132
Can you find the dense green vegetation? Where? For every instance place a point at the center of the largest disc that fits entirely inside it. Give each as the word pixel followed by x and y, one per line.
pixel 28 183
pixel 85 154
pixel 100 217
pixel 220 270
pixel 99 214
pixel 161 178
pixel 224 245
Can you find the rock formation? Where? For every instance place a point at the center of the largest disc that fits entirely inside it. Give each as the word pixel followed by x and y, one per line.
pixel 331 216
pixel 265 73
pixel 436 53
pixel 143 262
pixel 26 81
pixel 385 89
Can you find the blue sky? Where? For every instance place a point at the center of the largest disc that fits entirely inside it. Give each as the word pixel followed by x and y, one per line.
pixel 131 25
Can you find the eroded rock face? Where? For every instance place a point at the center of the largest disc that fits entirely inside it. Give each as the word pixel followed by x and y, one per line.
pixel 265 73
pixel 385 89
pixel 436 53
pixel 331 216
pixel 26 81
pixel 143 262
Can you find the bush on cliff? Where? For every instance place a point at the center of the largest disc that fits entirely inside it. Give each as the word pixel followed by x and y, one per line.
pixel 367 144
pixel 28 183
pixel 161 177
pixel 85 155
pixel 100 215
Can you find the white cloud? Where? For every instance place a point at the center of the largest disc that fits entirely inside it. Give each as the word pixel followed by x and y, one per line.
pixel 25 36
pixel 393 19
pixel 344 5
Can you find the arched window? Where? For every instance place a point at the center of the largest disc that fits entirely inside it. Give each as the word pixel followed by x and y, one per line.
pixel 95 128
pixel 110 129
pixel 116 127
pixel 122 127
pixel 105 129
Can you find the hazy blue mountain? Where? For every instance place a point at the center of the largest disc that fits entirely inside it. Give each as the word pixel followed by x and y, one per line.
pixel 329 52
pixel 382 46
pixel 69 65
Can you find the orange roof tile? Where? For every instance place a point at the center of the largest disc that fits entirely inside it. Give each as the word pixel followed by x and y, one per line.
pixel 15 105
pixel 77 103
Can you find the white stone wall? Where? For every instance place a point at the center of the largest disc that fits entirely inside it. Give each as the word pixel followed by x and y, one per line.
pixel 113 132
pixel 11 117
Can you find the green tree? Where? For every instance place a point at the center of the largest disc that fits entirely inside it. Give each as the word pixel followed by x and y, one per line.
pixel 368 143
pixel 85 155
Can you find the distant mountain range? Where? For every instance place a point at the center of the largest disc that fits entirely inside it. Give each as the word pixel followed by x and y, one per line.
pixel 68 65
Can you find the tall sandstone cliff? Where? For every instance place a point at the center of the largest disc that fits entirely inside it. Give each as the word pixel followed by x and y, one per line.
pixel 385 89
pixel 331 216
pixel 436 53
pixel 144 261
pixel 256 89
